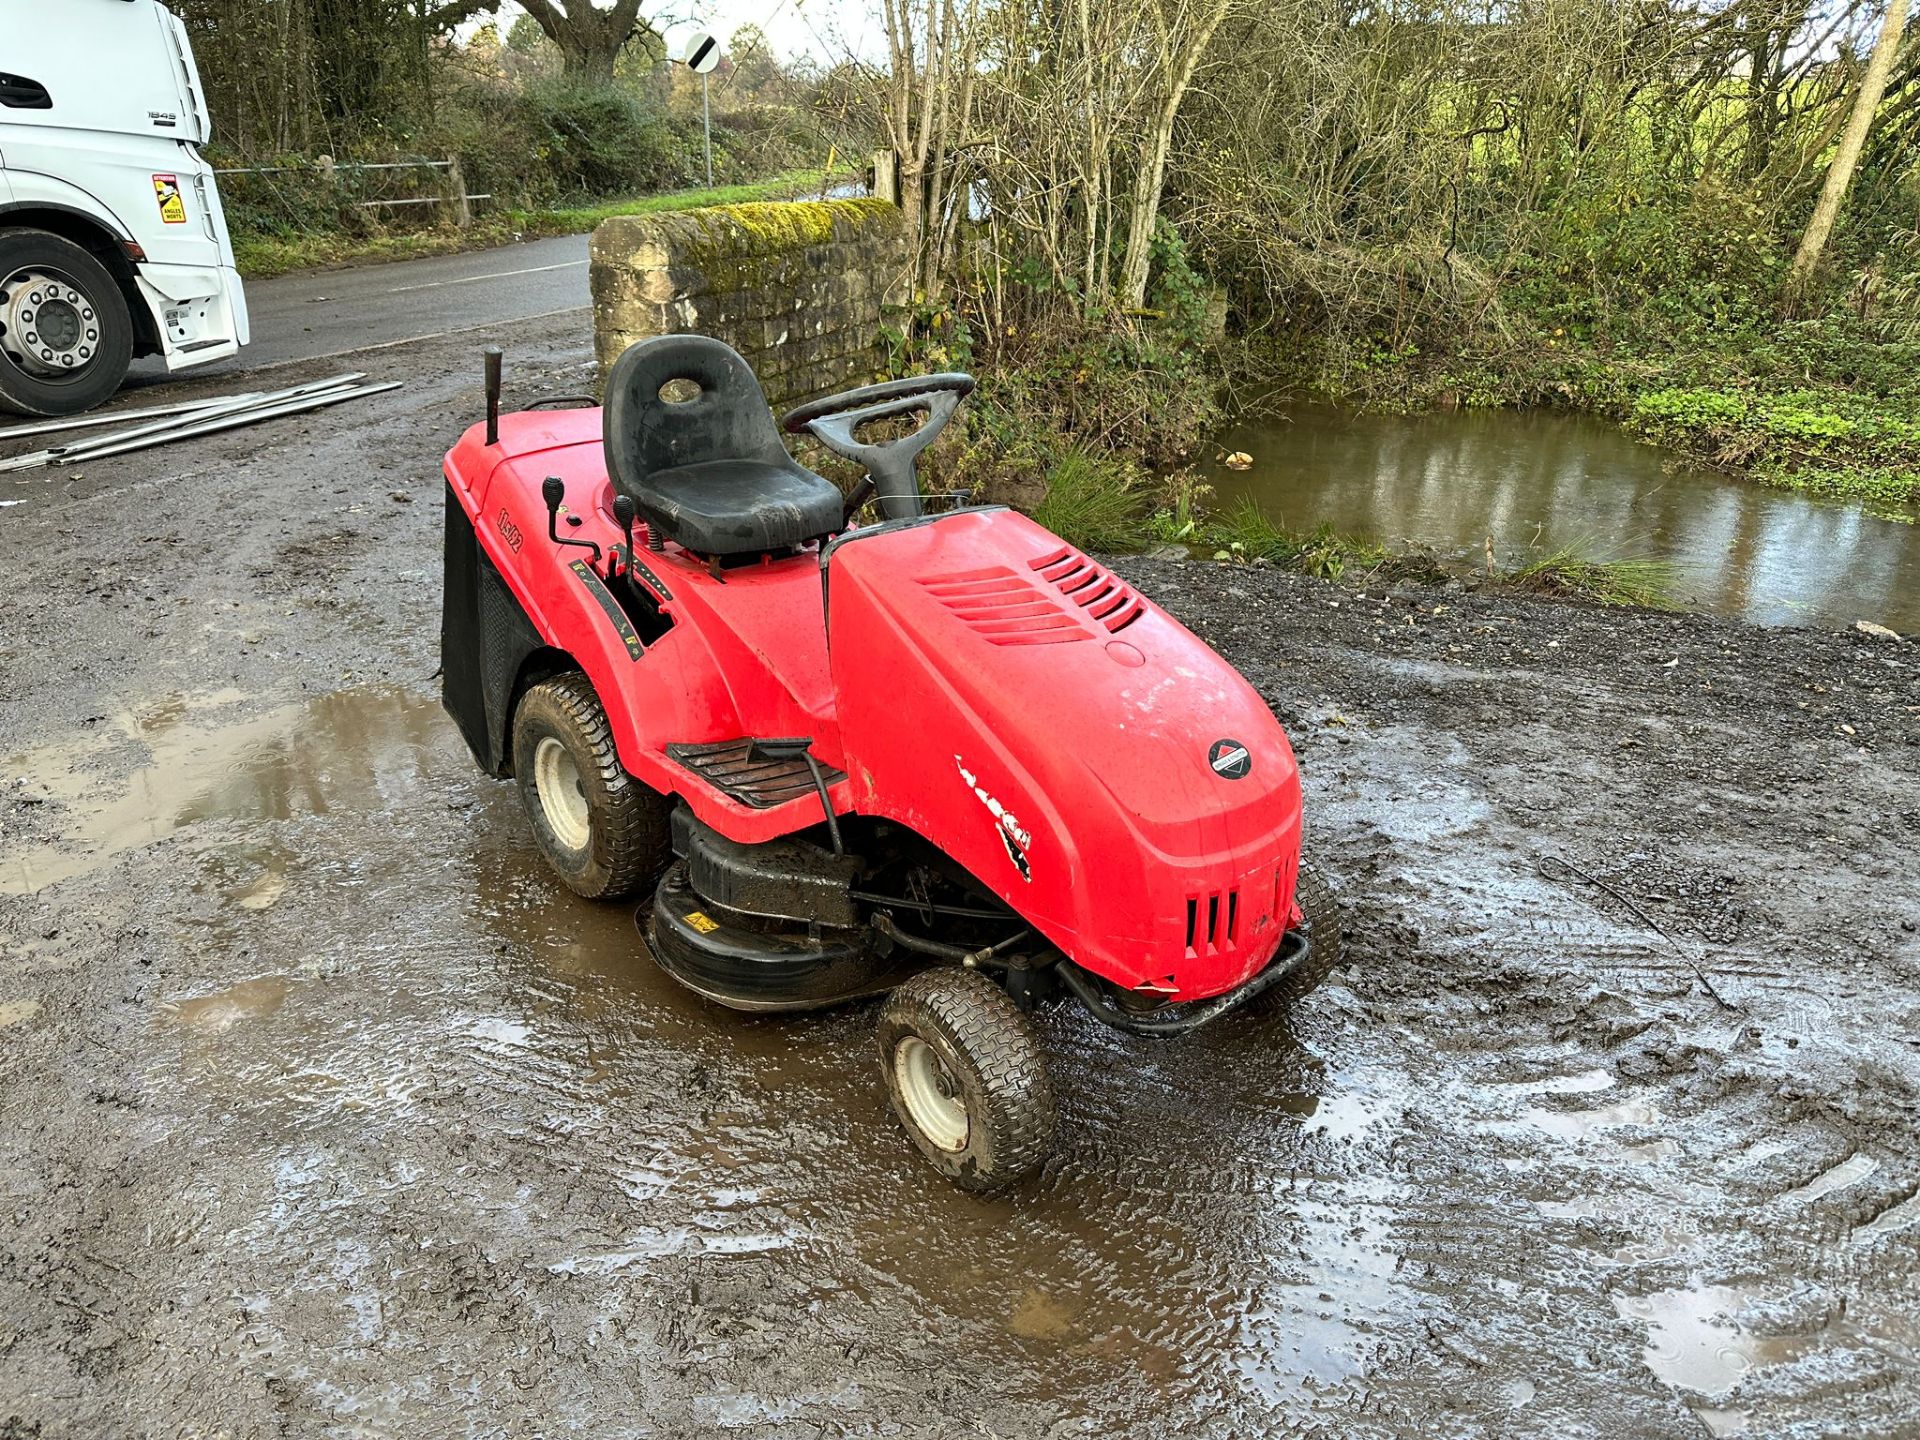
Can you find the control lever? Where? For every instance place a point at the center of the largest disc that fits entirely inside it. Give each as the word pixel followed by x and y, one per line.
pixel 623 512
pixel 554 490
pixel 490 358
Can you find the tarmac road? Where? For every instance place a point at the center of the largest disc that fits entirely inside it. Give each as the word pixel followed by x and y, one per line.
pixel 317 314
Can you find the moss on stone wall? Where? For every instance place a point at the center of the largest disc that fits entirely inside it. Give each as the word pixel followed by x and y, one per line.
pixel 744 231
pixel 738 246
pixel 796 287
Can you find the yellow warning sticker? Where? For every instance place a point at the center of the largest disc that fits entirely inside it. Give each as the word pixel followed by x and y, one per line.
pixel 705 924
pixel 173 209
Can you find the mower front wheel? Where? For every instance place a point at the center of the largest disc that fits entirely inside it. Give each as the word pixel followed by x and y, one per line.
pixel 603 832
pixel 967 1078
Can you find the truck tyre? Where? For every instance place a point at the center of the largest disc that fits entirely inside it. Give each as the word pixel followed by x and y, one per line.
pixel 603 832
pixel 65 334
pixel 967 1079
pixel 1320 918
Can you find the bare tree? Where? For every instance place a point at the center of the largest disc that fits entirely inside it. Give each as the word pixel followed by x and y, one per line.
pixel 1826 210
pixel 1181 33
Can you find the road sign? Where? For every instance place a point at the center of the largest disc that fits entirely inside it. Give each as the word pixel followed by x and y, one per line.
pixel 703 57
pixel 703 54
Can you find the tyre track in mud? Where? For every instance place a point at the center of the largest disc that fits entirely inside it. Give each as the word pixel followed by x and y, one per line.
pixel 334 1115
pixel 1814 1066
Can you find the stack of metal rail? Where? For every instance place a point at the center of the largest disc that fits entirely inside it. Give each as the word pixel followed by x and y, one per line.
pixel 163 424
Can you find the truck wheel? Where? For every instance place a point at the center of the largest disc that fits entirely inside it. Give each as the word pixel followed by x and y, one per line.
pixel 1321 918
pixel 65 334
pixel 967 1079
pixel 602 831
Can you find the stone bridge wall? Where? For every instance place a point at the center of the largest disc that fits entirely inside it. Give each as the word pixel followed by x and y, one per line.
pixel 796 287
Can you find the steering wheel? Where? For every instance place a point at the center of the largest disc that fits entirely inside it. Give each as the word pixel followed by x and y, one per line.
pixel 834 420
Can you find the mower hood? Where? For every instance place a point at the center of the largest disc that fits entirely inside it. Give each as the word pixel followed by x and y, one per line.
pixel 1084 755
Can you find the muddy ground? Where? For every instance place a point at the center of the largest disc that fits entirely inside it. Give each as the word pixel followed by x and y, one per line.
pixel 324 1112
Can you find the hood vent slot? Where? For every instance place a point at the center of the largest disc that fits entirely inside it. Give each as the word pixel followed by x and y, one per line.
pixel 1213 922
pixel 1100 593
pixel 1004 607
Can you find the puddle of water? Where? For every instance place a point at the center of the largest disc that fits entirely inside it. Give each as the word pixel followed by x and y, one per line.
pixel 222 1010
pixel 1762 1151
pixel 1666 1242
pixel 1315 1325
pixel 1894 1217
pixel 1038 1315
pixel 1695 1343
pixel 1849 1171
pixel 263 893
pixel 1722 1420
pixel 1583 1083
pixel 1345 1116
pixel 1577 1124
pixel 1651 1152
pixel 1540 481
pixel 193 758
pixel 646 1243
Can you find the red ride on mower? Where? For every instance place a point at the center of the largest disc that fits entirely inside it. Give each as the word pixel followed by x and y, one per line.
pixel 941 757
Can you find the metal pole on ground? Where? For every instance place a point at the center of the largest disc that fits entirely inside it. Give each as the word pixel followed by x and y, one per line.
pixel 706 118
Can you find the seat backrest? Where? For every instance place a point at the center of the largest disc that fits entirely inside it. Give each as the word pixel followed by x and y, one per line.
pixel 727 420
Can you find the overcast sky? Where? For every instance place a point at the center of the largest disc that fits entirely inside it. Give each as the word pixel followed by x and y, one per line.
pixel 826 29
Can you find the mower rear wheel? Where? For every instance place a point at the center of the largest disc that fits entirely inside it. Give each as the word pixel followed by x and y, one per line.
pixel 1321 916
pixel 967 1078
pixel 603 832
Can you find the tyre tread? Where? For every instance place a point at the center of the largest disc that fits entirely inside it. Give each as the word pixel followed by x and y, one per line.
pixel 1315 898
pixel 999 1041
pixel 635 843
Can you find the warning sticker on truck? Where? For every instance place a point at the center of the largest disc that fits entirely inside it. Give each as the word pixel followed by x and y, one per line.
pixel 173 210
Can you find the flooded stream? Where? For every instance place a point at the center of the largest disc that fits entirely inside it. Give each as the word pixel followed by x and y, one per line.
pixel 1536 482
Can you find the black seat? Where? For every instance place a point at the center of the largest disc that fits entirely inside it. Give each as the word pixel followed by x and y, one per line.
pixel 709 471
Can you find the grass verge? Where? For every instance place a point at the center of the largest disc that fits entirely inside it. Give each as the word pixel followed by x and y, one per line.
pixel 1828 441
pixel 263 255
pixel 1610 582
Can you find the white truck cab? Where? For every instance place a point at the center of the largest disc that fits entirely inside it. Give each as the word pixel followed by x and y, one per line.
pixel 112 240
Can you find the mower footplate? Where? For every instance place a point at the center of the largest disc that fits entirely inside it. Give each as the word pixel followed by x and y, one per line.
pixel 731 767
pixel 755 969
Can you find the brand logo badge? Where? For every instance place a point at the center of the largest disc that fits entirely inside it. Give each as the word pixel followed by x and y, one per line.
pixel 1229 759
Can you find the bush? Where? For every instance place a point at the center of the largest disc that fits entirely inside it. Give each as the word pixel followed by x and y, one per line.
pixel 603 139
pixel 554 141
